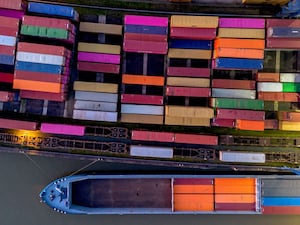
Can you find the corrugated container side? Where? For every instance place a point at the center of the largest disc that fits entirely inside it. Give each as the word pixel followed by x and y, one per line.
pixel 188 82
pixel 151 47
pixel 289 116
pixel 188 72
pixel 195 189
pixel 143 29
pixel 17 14
pixel 236 63
pixel 196 139
pixel 98 57
pixel 40 58
pixel 289 126
pixel 234 84
pixel 94 115
pixel 146 37
pixel 98 67
pixel 151 151
pixel 146 20
pixel 190 44
pixel 189 53
pixel 46 22
pixel 240 114
pixel 278 96
pixel 288 43
pixel 188 91
pixel 8 40
pixel 9 31
pixel 242 23
pixel 238 53
pixel 194 21
pixel 233 93
pixel 250 125
pixel 140 118
pixel 7 50
pixel 193 33
pixel 236 103
pixel 193 181
pixel 17 124
pixel 187 121
pixel 225 181
pixel 96 96
pixel 99 48
pixel 142 99
pixel 267 77
pixel 142 135
pixel 12 4
pixel 291 87
pixel 6 77
pixel 96 105
pixel 189 111
pixel 193 202
pixel 283 32
pixel 9 22
pixel 59 97
pixel 230 123
pixel 281 210
pixel 37 86
pixel 62 129
pixel 282 23
pixel 42 48
pixel 36 76
pixel 142 109
pixel 246 157
pixel 95 87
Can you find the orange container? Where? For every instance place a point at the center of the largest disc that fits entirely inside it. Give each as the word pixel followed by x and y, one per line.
pixel 142 80
pixel 258 125
pixel 289 116
pixel 37 86
pixel 239 43
pixel 267 77
pixel 235 181
pixel 239 53
pixel 278 96
pixel 193 202
pixel 193 189
pixel 235 189
pixel 235 198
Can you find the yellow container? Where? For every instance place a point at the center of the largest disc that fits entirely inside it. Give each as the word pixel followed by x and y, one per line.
pixel 195 21
pixel 99 48
pixel 139 118
pixel 188 82
pixel 100 28
pixel 189 53
pixel 189 111
pixel 187 121
pixel 95 87
pixel 289 126
pixel 241 33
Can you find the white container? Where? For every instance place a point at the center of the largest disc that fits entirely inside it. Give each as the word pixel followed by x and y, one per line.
pixel 142 109
pixel 41 58
pixel 96 96
pixel 290 77
pixel 95 115
pixel 269 87
pixel 97 106
pixel 8 40
pixel 150 151
pixel 233 93
pixel 246 157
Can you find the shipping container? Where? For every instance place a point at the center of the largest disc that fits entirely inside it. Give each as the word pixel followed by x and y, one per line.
pixel 9 31
pixel 238 53
pixel 28 75
pixel 271 124
pixel 188 72
pixel 17 124
pixel 16 14
pixel 277 96
pixel 98 67
pixel 267 77
pixel 234 84
pixel 196 139
pixel 187 121
pixel 142 109
pixel 216 122
pixel 239 43
pixel 273 2
pixel 62 129
pixel 8 40
pixel 188 91
pixel 44 49
pixel 189 53
pixel 146 20
pixel 39 67
pixel 13 4
pixel 96 105
pixel 188 82
pixel 99 48
pixel 193 33
pixel 282 23
pixel 291 87
pixel 292 43
pixel 190 44
pixel 7 59
pixel 142 135
pixel 235 207
pixel 280 201
pixel 95 87
pixel 7 50
pixel 235 198
pixel 140 118
pixel 151 151
pixel 279 210
pixel 241 33
pixel 235 63
pixel 43 95
pixel 98 57
pixel 46 32
pixel 242 22
pixel 145 37
pixel 47 22
pixel 144 29
pixel 280 188
pixel 232 103
pixel 258 125
pixel 289 126
pixel 96 96
pixel 31 85
pixel 242 157
pixel 240 114
pixel 6 96
pixel 233 93
pixel 152 47
pixel 95 115
pixel 193 189
pixel 283 32
pixel 113 29
pixel 193 202
pixel 234 185
pixel 143 80
pixel 289 116
pixel 142 99
pixel 269 86
pixel 6 77
pixel 40 58
pixel 194 21
pixel 189 111
pixel 290 77
pixel 208 182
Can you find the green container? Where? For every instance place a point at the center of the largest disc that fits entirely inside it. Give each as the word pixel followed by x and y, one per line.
pixel 233 103
pixel 44 32
pixel 291 87
pixel 288 106
pixel 270 106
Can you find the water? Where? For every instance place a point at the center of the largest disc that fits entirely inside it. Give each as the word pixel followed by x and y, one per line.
pixel 22 177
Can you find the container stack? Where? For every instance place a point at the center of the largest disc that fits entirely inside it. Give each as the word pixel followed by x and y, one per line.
pixel 96 89
pixel 280 196
pixel 235 194
pixel 188 76
pixel 145 46
pixel 43 62
pixel 12 8
pixel 238 54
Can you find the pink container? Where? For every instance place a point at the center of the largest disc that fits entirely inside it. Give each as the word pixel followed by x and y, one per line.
pixel 62 129
pixel 142 99
pixel 230 123
pixel 241 23
pixel 98 57
pixel 188 72
pixel 58 97
pixel 146 20
pixel 240 114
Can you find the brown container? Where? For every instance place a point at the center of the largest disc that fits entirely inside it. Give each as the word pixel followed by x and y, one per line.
pixel 283 43
pixel 193 33
pixel 289 116
pixel 278 96
pixel 188 72
pixel 267 77
pixel 282 23
pixel 189 111
pixel 98 67
pixel 281 210
pixel 100 28
pixel 189 53
pixel 28 75
pixel 187 121
pixel 58 97
pixel 145 37
pixel 235 207
pixel 241 33
pixel 139 118
pixel 188 91
pixel 271 124
pixel 234 84
pixel 188 82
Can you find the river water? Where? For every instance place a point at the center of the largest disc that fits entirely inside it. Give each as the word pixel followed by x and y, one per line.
pixel 22 177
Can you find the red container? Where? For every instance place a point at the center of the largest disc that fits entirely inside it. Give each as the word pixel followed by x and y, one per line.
pixel 7 50
pixel 98 67
pixel 151 47
pixel 279 96
pixel 58 97
pixel 47 22
pixel 196 139
pixel 271 124
pixel 283 43
pixel 282 23
pixel 9 22
pixel 216 122
pixel 141 135
pixel 281 210
pixel 188 91
pixel 235 207
pixel 6 96
pixel 193 181
pixel 6 77
pixel 9 31
pixel 193 33
pixel 188 72
pixel 12 4
pixel 142 99
pixel 289 116
pixel 240 114
pixel 17 124
pixel 234 84
pixel 43 49
pixel 45 77
pixel 145 37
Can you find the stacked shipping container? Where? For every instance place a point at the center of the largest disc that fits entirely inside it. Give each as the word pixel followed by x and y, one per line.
pixel 145 41
pixel 188 75
pixel 96 91
pixel 12 8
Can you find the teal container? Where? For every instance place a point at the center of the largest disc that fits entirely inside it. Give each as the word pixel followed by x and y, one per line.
pixel 44 32
pixel 291 87
pixel 233 103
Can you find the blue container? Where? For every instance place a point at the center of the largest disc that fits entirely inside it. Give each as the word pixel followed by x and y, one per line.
pixel 286 32
pixel 7 59
pixel 236 63
pixel 12 106
pixel 53 10
pixel 191 44
pixel 39 67
pixel 281 201
pixel 34 106
pixel 141 29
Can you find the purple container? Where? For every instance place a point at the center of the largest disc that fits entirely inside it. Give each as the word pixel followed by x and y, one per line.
pixel 12 13
pixel 242 23
pixel 98 57
pixel 62 129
